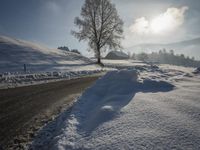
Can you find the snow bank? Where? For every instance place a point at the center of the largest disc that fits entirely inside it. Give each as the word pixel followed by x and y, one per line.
pixel 99 104
pixel 12 80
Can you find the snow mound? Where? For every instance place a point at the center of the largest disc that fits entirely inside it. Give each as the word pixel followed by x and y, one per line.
pixel 15 53
pixel 98 105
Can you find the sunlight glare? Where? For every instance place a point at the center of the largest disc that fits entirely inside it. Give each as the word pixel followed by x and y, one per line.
pixel 162 24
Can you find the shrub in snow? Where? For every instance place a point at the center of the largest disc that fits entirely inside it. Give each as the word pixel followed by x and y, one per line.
pixel 75 51
pixel 56 74
pixel 65 48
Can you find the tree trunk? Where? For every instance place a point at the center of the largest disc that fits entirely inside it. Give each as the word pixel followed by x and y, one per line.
pixel 99 58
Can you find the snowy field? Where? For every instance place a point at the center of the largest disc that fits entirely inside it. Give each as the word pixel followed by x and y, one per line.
pixel 142 108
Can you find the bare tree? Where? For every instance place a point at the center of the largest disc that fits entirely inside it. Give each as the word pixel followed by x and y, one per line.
pixel 100 25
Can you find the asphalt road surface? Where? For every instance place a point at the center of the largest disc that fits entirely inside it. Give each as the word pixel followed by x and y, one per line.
pixel 24 110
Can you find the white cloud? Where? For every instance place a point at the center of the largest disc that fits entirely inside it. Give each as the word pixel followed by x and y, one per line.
pixel 140 26
pixel 162 24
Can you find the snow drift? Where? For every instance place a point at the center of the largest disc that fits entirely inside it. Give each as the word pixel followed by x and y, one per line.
pixel 99 104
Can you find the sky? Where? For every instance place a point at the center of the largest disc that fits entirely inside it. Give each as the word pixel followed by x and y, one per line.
pixel 49 22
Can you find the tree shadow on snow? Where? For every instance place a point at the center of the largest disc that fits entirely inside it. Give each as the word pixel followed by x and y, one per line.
pixel 114 103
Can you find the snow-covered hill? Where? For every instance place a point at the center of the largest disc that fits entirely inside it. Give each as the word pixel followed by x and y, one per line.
pixel 42 64
pixel 15 53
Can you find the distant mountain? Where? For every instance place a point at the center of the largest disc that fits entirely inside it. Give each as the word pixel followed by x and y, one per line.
pixel 189 48
pixel 14 53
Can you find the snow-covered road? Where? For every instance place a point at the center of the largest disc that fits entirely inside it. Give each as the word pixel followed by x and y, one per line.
pixel 124 111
